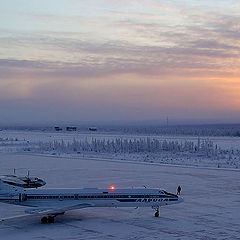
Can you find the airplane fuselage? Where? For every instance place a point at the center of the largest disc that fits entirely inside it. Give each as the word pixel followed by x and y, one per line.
pixel 97 197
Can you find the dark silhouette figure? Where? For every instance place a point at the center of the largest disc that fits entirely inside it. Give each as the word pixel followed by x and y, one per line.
pixel 179 190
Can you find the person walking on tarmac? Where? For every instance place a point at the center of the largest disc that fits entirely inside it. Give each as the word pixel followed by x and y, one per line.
pixel 179 190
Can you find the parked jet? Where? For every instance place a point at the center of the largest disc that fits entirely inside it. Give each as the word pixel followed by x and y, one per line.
pixel 48 203
pixel 23 181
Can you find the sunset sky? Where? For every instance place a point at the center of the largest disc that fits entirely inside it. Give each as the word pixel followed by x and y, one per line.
pixel 108 60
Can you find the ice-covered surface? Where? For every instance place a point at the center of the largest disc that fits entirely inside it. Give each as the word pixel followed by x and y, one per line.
pixel 210 210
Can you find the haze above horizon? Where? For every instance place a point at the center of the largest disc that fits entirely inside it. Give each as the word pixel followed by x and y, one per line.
pixel 119 60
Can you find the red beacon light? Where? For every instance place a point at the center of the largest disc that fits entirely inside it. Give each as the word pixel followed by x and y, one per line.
pixel 112 187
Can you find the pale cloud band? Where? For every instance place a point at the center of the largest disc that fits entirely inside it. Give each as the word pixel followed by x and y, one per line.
pixel 144 59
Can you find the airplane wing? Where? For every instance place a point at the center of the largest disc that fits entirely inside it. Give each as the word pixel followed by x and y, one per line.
pixel 46 211
pixel 56 210
pixel 12 218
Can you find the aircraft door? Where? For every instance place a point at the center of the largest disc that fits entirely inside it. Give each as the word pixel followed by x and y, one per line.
pixel 22 197
pixel 76 196
pixel 60 197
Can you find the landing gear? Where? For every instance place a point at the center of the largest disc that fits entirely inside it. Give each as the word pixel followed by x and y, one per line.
pixel 157 213
pixel 44 220
pixel 49 219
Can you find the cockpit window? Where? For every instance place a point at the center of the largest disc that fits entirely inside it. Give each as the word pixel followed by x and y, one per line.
pixel 171 194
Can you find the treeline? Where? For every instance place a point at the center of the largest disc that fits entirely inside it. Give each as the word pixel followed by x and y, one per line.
pixel 198 130
pixel 139 145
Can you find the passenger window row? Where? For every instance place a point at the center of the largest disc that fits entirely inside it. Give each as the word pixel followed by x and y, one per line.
pixel 94 196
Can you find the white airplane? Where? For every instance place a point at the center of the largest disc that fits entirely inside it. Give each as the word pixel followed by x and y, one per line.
pixel 25 182
pixel 48 203
pixel 22 181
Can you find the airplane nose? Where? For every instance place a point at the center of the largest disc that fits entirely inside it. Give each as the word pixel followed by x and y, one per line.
pixel 180 199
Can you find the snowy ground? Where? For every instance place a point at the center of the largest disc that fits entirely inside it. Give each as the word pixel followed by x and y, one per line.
pixel 34 141
pixel 46 136
pixel 210 210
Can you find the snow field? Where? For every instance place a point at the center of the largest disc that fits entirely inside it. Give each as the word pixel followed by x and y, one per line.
pixel 210 209
pixel 190 151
